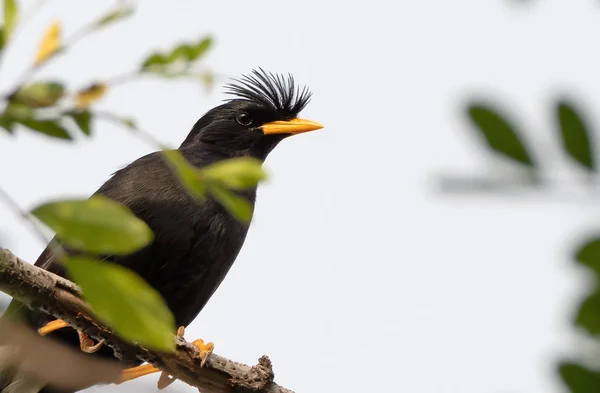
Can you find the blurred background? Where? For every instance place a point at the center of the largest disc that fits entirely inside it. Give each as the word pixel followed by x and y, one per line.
pixel 425 240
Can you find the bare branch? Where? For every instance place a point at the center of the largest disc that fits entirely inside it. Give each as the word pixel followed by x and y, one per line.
pixel 39 289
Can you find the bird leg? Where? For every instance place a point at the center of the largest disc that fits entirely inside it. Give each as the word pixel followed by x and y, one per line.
pixel 85 342
pixel 87 345
pixel 52 326
pixel 165 380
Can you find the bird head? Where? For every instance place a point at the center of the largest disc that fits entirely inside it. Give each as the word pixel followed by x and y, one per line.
pixel 263 111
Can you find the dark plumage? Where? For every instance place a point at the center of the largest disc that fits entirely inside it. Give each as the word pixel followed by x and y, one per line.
pixel 271 91
pixel 196 244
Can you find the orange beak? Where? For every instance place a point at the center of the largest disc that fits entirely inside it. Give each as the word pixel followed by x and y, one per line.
pixel 292 126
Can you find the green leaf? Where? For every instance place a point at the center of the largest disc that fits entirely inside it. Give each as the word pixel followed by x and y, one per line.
pixel 97 225
pixel 588 315
pixel 499 134
pixel 588 254
pixel 154 60
pixel 13 112
pixel 236 205
pixel 39 95
pixel 188 175
pixel 15 311
pixel 2 38
pixel 200 48
pixel 578 378
pixel 114 16
pixel 184 52
pixel 236 173
pixel 575 136
pixel 82 119
pixel 10 17
pixel 7 123
pixel 18 111
pixel 47 127
pixel 125 302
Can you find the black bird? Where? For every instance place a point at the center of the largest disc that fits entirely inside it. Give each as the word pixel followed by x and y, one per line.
pixel 194 244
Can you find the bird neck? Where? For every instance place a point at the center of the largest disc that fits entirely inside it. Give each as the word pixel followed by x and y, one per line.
pixel 202 157
pixel 206 155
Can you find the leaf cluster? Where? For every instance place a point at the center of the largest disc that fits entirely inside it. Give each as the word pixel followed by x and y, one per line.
pixel 575 135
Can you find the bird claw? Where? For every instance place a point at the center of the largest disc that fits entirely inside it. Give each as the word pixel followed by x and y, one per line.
pixel 52 326
pixel 204 349
pixel 86 344
pixel 165 379
pixel 136 372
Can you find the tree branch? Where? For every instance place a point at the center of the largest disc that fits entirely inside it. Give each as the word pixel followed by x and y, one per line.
pixel 40 289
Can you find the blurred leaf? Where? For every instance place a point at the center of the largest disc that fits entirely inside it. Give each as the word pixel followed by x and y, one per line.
pixel 47 127
pixel 97 225
pixel 39 94
pixel 588 316
pixel 499 134
pixel 154 59
pixel 87 96
pixel 114 16
pixel 575 136
pixel 82 119
pixel 588 255
pixel 199 49
pixel 208 79
pixel 185 52
pixel 7 123
pixel 187 174
pixel 18 111
pixel 236 173
pixel 12 113
pixel 50 43
pixel 237 206
pixel 51 361
pixel 125 302
pixel 2 40
pixel 10 18
pixel 578 378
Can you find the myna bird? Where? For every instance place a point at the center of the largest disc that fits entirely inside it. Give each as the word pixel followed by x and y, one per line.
pixel 195 244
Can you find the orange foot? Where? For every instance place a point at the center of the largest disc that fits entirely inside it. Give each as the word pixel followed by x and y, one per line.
pixel 165 380
pixel 85 342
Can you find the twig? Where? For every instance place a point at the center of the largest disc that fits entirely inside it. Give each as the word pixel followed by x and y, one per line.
pixel 35 67
pixel 27 16
pixel 138 132
pixel 40 289
pixel 121 78
pixel 12 204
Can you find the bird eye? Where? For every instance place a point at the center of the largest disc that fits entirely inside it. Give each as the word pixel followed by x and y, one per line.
pixel 244 119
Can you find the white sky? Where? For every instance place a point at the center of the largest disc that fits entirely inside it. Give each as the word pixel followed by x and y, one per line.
pixel 371 281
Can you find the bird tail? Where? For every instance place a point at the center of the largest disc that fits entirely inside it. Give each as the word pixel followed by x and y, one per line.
pixel 14 379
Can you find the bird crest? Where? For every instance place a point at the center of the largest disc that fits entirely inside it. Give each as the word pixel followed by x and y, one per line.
pixel 271 90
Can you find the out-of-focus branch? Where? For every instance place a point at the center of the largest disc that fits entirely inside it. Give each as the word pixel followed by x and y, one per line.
pixel 39 289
